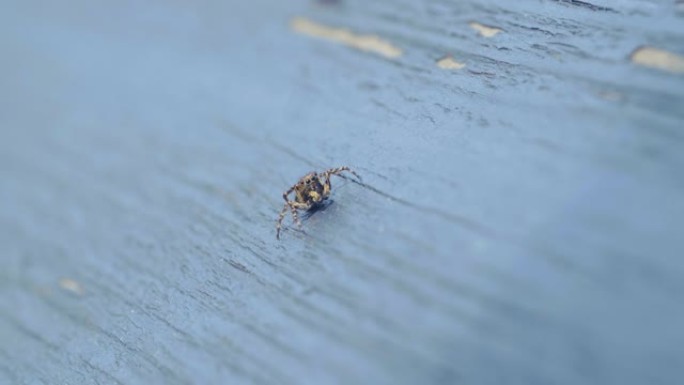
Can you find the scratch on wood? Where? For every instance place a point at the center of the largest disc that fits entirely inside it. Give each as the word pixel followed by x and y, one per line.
pixel 367 43
pixel 658 58
pixel 489 75
pixel 239 266
pixel 388 109
pixel 484 30
pixel 465 222
pixel 448 63
pixel 586 5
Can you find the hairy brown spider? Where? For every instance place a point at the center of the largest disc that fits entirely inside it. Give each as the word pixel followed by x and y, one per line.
pixel 310 192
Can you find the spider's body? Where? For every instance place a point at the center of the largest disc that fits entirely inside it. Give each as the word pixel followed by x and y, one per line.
pixel 310 191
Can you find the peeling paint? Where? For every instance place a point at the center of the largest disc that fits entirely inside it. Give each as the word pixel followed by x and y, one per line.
pixel 448 63
pixel 484 30
pixel 366 43
pixel 658 58
pixel 71 286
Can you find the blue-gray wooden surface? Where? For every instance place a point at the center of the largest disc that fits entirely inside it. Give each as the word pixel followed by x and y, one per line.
pixel 520 222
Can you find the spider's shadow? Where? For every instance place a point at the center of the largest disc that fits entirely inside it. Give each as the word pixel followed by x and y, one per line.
pixel 319 207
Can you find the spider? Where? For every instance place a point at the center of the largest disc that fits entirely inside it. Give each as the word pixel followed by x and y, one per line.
pixel 310 192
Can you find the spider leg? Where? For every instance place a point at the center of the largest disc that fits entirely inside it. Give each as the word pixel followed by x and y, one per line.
pixel 288 192
pixel 280 219
pixel 293 207
pixel 338 171
pixel 295 216
pixel 326 185
pixel 287 206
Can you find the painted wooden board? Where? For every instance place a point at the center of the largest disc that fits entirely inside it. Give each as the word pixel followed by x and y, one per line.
pixel 519 221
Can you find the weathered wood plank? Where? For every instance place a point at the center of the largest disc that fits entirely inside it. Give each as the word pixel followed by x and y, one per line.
pixel 519 221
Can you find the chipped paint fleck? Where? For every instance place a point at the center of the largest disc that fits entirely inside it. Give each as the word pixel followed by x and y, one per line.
pixel 448 63
pixel 71 286
pixel 484 30
pixel 658 58
pixel 367 43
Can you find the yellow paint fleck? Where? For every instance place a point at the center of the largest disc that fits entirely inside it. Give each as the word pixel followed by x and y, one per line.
pixel 448 63
pixel 658 58
pixel 70 285
pixel 484 30
pixel 367 43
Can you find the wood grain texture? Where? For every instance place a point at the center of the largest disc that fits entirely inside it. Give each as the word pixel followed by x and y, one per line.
pixel 519 221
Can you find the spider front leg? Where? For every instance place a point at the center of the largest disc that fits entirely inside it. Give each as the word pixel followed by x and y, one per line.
pixel 293 206
pixel 287 206
pixel 338 171
pixel 280 220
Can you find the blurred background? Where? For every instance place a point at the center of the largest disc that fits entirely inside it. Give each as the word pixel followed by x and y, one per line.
pixel 520 217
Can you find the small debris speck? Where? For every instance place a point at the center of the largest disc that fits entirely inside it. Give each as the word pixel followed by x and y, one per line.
pixel 448 63
pixel 658 58
pixel 368 43
pixel 71 286
pixel 484 30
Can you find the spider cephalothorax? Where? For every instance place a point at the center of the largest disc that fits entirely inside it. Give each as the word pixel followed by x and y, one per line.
pixel 310 191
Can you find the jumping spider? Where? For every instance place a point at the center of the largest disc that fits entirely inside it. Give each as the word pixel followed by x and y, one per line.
pixel 310 192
